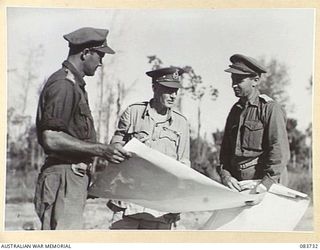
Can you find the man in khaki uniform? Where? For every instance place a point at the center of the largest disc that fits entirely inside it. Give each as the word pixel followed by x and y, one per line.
pixel 255 142
pixel 66 132
pixel 160 127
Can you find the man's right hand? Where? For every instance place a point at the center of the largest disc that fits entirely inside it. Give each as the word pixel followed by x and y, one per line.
pixel 115 153
pixel 231 183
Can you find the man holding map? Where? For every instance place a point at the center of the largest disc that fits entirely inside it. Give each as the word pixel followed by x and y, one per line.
pixel 160 127
pixel 255 142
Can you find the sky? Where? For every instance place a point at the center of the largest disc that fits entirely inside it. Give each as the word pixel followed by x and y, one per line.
pixel 202 38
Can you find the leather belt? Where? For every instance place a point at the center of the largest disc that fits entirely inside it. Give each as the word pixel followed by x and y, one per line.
pixel 50 161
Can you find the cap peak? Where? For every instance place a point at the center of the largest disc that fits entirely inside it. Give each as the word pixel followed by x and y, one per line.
pixel 245 65
pixel 169 76
pixel 89 37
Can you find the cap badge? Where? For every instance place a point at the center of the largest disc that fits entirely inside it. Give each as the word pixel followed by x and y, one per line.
pixel 176 75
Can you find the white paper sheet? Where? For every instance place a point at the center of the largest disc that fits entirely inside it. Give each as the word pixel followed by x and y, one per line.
pixel 274 213
pixel 154 180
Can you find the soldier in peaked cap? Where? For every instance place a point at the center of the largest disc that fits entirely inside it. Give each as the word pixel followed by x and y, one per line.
pixel 255 143
pixel 66 132
pixel 160 127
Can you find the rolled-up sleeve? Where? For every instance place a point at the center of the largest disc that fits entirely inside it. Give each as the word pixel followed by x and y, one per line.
pixel 57 105
pixel 122 128
pixel 277 149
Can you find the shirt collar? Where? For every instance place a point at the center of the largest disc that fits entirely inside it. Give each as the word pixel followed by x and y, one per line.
pixel 75 72
pixel 146 112
pixel 253 101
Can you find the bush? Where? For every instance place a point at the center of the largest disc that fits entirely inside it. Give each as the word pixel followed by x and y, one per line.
pixel 20 186
pixel 301 181
pixel 204 158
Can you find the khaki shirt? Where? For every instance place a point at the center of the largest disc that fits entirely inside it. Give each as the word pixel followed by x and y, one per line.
pixel 257 129
pixel 171 137
pixel 63 106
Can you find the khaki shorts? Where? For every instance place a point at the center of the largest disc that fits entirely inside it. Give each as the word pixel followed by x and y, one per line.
pixel 141 222
pixel 60 198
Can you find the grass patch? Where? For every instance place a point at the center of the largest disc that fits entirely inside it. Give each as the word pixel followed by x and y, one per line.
pixel 20 186
pixel 301 181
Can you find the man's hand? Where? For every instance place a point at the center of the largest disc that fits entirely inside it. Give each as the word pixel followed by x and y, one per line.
pixel 231 183
pixel 172 217
pixel 115 153
pixel 260 188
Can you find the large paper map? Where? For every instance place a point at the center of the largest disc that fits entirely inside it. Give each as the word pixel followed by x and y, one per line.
pixel 154 180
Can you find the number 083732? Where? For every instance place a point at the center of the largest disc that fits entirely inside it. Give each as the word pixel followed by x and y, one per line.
pixel 309 245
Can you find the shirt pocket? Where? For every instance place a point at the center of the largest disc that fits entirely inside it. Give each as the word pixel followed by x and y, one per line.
pixel 142 136
pixel 84 120
pixel 138 131
pixel 170 140
pixel 252 135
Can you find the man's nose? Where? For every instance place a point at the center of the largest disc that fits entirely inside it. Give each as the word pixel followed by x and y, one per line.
pixel 173 94
pixel 100 60
pixel 235 85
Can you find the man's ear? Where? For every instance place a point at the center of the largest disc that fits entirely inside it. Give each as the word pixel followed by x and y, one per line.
pixel 84 53
pixel 154 87
pixel 256 81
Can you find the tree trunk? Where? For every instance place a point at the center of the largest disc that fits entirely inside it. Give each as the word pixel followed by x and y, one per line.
pixel 25 94
pixel 199 127
pixel 294 162
pixel 100 104
pixel 119 98
pixel 310 161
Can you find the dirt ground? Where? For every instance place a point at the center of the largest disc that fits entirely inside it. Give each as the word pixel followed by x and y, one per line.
pixel 98 217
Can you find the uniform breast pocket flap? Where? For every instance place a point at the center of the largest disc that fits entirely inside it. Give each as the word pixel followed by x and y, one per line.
pixel 253 134
pixel 169 134
pixel 142 136
pixel 84 109
pixel 253 125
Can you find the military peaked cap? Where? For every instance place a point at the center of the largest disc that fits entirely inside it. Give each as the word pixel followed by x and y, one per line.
pixel 89 38
pixel 245 65
pixel 169 77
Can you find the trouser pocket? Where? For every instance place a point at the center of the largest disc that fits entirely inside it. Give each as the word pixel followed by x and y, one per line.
pixel 45 196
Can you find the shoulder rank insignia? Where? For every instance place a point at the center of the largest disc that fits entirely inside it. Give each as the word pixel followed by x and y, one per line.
pixel 70 76
pixel 266 98
pixel 179 114
pixel 145 103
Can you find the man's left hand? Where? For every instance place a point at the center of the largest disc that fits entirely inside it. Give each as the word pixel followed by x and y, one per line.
pixel 260 188
pixel 172 217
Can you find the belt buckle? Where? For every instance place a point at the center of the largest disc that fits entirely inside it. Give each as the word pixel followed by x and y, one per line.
pixel 242 166
pixel 89 167
pixel 248 164
pixel 245 165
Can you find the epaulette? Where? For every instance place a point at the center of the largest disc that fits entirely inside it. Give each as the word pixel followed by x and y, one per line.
pixel 59 75
pixel 70 76
pixel 176 112
pixel 266 98
pixel 139 103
